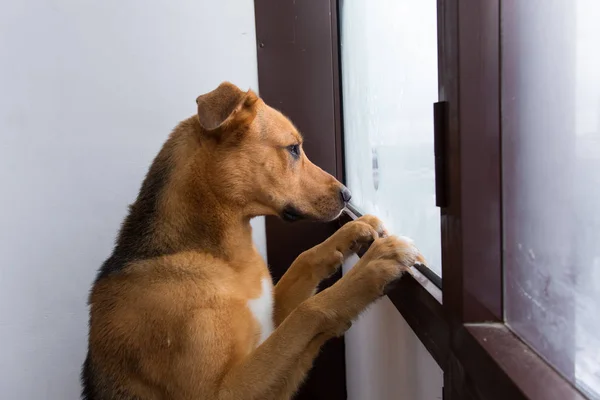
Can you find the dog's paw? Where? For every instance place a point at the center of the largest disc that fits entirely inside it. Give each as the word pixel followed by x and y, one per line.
pixel 400 249
pixel 374 223
pixel 358 235
pixel 389 258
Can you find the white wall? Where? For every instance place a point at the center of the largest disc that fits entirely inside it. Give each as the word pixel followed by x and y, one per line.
pixel 385 359
pixel 89 90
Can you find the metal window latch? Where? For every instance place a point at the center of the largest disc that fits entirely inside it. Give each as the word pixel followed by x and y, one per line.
pixel 440 142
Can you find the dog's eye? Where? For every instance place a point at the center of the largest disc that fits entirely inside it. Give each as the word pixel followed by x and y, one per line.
pixel 294 150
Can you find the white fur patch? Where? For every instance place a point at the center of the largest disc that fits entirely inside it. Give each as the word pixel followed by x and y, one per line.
pixel 407 239
pixel 262 309
pixel 412 252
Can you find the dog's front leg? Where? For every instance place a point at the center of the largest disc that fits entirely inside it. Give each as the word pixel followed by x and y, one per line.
pixel 276 368
pixel 272 367
pixel 302 366
pixel 312 266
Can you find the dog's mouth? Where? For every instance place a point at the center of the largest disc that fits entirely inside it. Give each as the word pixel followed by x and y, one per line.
pixel 292 214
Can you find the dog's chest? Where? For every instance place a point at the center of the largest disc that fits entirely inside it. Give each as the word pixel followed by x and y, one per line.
pixel 262 309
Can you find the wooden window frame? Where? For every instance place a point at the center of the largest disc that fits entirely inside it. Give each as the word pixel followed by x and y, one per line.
pixel 460 323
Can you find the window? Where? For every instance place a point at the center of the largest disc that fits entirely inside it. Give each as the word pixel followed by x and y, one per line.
pixel 551 181
pixel 389 84
pixel 519 235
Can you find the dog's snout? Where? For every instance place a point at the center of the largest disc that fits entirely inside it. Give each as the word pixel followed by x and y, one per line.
pixel 345 194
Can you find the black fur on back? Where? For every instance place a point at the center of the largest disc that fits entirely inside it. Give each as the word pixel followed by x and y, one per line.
pixel 100 390
pixel 133 243
pixel 86 379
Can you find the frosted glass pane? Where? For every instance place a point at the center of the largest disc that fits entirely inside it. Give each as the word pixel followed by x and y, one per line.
pixel 389 82
pixel 551 159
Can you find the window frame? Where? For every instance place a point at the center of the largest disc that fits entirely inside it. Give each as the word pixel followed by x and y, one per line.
pixel 298 73
pixel 460 323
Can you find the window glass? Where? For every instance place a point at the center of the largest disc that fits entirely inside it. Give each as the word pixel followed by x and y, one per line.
pixel 389 83
pixel 551 181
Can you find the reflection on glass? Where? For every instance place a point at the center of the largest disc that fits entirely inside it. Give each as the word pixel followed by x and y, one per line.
pixel 389 82
pixel 551 158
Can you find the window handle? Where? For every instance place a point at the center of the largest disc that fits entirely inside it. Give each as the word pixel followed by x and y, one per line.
pixel 440 140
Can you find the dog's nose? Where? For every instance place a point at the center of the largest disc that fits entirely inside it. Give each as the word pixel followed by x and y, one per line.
pixel 345 194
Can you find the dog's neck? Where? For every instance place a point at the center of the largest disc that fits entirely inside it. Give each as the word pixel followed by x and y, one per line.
pixel 177 209
pixel 192 215
pixel 202 223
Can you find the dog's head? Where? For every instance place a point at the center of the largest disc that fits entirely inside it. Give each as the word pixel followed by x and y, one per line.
pixel 257 160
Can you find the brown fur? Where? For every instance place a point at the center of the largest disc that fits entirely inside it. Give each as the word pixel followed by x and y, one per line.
pixel 169 316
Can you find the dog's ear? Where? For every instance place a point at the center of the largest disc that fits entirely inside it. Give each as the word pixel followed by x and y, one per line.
pixel 226 108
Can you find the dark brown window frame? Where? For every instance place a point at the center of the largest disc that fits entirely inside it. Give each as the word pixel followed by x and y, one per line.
pixel 462 326
pixel 298 73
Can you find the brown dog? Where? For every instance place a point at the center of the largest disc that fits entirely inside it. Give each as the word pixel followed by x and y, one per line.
pixel 185 308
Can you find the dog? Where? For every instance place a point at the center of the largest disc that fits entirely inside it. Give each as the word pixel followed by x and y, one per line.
pixel 185 307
